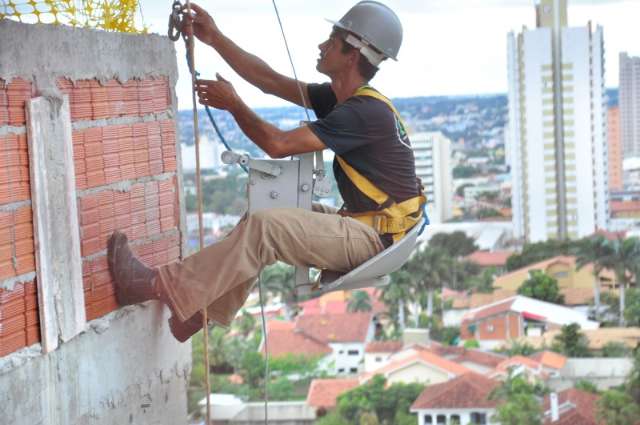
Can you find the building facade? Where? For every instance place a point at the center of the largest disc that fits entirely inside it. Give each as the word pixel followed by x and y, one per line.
pixel 614 143
pixel 432 151
pixel 557 128
pixel 630 105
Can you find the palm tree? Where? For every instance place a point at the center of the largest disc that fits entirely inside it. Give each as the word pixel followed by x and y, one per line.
pixel 592 251
pixel 359 301
pixel 429 268
pixel 397 295
pixel 623 260
pixel 279 280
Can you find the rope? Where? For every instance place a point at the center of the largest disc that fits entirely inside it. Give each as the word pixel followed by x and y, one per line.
pixel 266 353
pixel 196 134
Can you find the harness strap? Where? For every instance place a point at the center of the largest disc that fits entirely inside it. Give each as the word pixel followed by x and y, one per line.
pixel 391 217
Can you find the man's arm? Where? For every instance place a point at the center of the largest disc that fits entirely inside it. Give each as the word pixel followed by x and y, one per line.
pixel 248 66
pixel 275 142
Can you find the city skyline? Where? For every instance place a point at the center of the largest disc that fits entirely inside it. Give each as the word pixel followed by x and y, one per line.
pixel 424 68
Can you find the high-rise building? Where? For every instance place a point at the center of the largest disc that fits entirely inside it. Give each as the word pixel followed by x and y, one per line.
pixel 432 151
pixel 557 127
pixel 630 105
pixel 615 149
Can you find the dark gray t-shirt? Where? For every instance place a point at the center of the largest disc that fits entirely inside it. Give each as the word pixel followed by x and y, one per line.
pixel 365 133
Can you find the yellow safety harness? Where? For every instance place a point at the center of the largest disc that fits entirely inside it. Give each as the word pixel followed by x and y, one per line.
pixel 390 218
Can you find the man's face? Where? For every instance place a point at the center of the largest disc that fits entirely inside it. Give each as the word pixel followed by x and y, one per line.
pixel 331 58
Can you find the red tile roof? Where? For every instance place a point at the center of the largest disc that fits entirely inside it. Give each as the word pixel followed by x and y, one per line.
pixel 349 327
pixel 323 393
pixel 492 310
pixel 420 356
pixel 467 391
pixel 625 206
pixel 479 357
pixel 517 361
pixel 383 347
pixel 283 339
pixel 489 259
pixel 550 359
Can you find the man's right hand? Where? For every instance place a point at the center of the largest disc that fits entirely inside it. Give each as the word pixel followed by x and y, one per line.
pixel 204 27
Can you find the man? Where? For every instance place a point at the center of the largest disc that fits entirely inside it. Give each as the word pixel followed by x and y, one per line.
pixel 355 121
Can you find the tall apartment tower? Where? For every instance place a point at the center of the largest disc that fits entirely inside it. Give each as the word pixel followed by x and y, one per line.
pixel 615 149
pixel 630 105
pixel 556 133
pixel 432 151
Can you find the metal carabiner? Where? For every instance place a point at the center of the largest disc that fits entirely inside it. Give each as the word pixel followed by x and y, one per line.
pixel 176 21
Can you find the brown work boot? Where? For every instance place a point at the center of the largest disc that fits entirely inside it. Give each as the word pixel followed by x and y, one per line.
pixel 182 331
pixel 135 282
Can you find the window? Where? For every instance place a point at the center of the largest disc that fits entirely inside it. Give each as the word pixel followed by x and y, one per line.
pixel 341 370
pixel 428 420
pixel 353 352
pixel 478 418
pixel 378 359
pixel 353 370
pixel 441 420
pixel 455 420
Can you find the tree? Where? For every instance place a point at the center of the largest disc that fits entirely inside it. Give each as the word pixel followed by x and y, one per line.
pixel 624 260
pixel 632 307
pixel 397 296
pixel 374 397
pixel 591 251
pixel 633 380
pixel 429 269
pixel 616 407
pixel 539 251
pixel 571 341
pixel 542 287
pixel 587 386
pixel 279 280
pixel 615 349
pixel 484 281
pixel 471 344
pixel 517 348
pixel 456 244
pixel 246 323
pixel 518 402
pixel 359 301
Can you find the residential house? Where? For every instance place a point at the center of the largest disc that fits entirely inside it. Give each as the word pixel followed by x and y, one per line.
pixel 462 400
pixel 338 339
pixel 486 259
pixel 598 338
pixel 533 369
pixel 377 353
pixel 323 393
pixel 577 286
pixel 417 364
pixel 516 317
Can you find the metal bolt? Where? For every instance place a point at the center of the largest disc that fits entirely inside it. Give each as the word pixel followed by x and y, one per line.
pixel 305 187
pixel 274 194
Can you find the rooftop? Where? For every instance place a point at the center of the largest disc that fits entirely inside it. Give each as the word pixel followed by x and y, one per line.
pixel 323 393
pixel 470 390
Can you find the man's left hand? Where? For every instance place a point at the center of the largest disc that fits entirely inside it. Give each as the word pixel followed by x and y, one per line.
pixel 217 93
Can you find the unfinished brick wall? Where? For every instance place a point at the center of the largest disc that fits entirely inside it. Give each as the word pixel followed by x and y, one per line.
pixel 125 161
pixel 19 325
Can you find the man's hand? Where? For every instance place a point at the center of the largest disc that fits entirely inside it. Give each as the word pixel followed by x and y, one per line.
pixel 201 24
pixel 217 93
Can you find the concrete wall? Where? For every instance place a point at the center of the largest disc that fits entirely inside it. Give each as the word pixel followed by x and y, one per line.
pixel 124 366
pixel 603 372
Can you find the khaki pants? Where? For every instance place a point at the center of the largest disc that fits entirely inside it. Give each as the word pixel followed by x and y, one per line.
pixel 221 275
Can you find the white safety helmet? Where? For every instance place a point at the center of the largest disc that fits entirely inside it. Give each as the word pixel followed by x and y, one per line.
pixel 375 25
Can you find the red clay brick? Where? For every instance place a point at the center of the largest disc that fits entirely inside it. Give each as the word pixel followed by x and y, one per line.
pixel 30 302
pixel 155 167
pixel 90 246
pixel 90 216
pixel 128 172
pixel 111 146
pixel 92 149
pixel 142 169
pixel 33 335
pixel 166 198
pixel 94 163
pixel 91 231
pixel 93 135
pixel 107 226
pixel 11 309
pixel 138 217
pixel 17 292
pixel 31 317
pixel 89 202
pixel 23 231
pixel 12 343
pixel 169 165
pixel 138 231
pixel 24 247
pixel 12 325
pixel 95 178
pixel 102 278
pixel 122 222
pixel 25 264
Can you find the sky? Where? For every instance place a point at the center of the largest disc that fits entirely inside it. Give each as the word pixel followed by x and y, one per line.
pixel 450 47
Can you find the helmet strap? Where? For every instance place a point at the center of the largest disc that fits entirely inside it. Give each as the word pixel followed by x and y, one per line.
pixel 372 56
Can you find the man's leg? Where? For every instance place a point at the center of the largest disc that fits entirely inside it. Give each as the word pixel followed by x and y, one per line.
pixel 294 236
